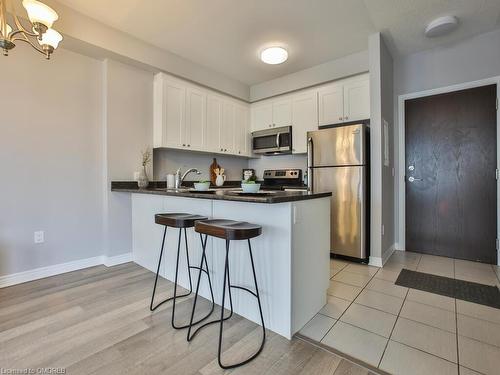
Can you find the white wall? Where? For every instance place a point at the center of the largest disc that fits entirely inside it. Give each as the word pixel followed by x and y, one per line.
pixel 50 158
pixel 127 130
pixel 470 60
pixel 167 161
pixel 381 183
pixel 329 71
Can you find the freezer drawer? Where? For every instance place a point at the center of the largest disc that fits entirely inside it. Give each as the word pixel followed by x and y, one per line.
pixel 348 207
pixel 344 145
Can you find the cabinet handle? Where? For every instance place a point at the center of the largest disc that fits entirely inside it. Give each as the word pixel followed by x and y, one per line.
pixel 239 152
pixel 183 145
pixel 346 118
pixel 222 149
pixel 189 145
pixel 340 118
pixel 274 125
pixel 270 126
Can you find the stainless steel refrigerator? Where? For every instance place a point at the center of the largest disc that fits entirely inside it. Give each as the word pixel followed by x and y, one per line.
pixel 337 162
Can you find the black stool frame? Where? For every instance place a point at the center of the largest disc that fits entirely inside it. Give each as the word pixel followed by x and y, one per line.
pixel 222 318
pixel 189 267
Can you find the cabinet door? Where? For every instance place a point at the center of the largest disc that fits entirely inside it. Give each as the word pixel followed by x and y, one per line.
pixel 262 116
pixel 304 119
pixel 241 131
pixel 282 112
pixel 174 133
pixel 214 123
pixel 331 104
pixel 196 101
pixel 227 130
pixel 357 100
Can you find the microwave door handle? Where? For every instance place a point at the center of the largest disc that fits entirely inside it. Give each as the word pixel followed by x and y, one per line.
pixel 278 140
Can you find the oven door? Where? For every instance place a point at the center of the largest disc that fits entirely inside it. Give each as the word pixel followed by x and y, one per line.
pixel 272 141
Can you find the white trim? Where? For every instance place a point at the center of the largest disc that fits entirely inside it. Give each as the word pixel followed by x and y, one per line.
pixel 57 269
pixel 375 261
pixel 387 254
pixel 401 197
pixel 118 259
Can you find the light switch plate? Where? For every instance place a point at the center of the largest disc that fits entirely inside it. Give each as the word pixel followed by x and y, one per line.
pixel 39 236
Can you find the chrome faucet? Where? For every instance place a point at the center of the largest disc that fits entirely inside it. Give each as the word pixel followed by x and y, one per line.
pixel 179 180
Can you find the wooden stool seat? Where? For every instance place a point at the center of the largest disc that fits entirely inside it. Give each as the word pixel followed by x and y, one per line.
pixel 178 220
pixel 228 229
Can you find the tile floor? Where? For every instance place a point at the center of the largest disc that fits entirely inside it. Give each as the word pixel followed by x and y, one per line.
pixel 407 331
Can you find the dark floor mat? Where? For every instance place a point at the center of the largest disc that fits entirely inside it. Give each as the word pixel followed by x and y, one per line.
pixel 465 290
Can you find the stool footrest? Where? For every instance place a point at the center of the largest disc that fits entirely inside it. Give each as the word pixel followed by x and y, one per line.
pixel 151 308
pixel 199 269
pixel 245 289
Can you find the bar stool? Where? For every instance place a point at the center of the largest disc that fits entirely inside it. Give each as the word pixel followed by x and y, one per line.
pixel 228 230
pixel 181 221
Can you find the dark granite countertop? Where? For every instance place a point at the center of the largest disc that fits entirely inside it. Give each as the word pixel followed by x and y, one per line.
pixel 225 193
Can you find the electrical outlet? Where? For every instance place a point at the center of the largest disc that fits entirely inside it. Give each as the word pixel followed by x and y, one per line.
pixel 39 236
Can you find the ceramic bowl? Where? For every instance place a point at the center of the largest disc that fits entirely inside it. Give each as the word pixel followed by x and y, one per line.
pixel 250 188
pixel 201 186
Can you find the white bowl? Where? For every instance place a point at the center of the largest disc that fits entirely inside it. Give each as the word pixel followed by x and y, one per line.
pixel 250 188
pixel 201 186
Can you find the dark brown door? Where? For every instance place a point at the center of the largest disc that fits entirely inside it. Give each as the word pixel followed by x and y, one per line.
pixel 451 174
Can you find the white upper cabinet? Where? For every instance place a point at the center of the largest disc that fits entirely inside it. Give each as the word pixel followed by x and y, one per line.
pixel 262 116
pixel 241 130
pixel 345 101
pixel 190 117
pixel 214 123
pixel 282 112
pixel 357 100
pixel 331 104
pixel 196 101
pixel 304 119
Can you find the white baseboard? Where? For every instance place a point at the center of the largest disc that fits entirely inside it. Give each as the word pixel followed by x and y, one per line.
pixel 375 261
pixel 57 269
pixel 118 259
pixel 380 261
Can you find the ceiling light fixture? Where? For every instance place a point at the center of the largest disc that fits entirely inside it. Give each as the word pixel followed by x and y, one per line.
pixel 41 18
pixel 441 26
pixel 274 55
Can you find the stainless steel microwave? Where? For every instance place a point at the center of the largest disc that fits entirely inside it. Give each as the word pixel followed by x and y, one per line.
pixel 272 141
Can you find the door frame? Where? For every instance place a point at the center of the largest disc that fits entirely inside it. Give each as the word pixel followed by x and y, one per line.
pixel 400 180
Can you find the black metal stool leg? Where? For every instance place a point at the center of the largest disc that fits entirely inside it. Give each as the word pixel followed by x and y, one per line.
pixel 256 294
pixel 151 308
pixel 191 324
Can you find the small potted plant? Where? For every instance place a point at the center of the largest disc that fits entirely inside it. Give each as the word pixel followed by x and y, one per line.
pixel 250 185
pixel 143 180
pixel 202 185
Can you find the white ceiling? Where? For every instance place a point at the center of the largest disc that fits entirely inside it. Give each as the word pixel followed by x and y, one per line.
pixel 227 35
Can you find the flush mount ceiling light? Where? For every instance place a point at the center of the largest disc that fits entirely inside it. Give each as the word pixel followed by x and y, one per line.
pixel 40 30
pixel 274 55
pixel 441 26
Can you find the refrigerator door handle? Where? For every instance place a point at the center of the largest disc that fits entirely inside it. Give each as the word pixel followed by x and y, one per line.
pixel 310 177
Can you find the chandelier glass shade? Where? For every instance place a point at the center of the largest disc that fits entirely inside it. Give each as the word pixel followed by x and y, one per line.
pixel 40 34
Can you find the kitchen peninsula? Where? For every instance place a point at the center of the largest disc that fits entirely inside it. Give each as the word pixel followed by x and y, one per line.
pixel 291 256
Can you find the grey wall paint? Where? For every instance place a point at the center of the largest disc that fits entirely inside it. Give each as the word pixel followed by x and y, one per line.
pixel 127 130
pixel 50 155
pixel 470 60
pixel 167 161
pixel 329 71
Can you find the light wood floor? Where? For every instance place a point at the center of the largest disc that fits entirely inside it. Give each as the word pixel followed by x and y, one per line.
pixel 97 321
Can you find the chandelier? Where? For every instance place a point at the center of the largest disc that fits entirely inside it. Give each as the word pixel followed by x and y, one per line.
pixel 40 34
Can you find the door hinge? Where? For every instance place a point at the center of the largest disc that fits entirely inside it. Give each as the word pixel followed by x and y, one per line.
pixel 497 103
pixel 496 245
pixel 496 173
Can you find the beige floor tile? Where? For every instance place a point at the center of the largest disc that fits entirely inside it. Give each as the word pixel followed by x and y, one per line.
pixel 479 356
pixel 393 265
pixel 351 278
pixel 386 274
pixel 479 329
pixel 380 301
pixel 478 311
pixel 356 342
pixel 468 371
pixel 372 320
pixel 335 307
pixel 387 287
pixel 477 276
pixel 429 339
pixel 344 291
pixel 400 359
pixel 336 266
pixel 362 269
pixel 404 258
pixel 431 299
pixel 429 315
pixel 437 266
pixel 317 327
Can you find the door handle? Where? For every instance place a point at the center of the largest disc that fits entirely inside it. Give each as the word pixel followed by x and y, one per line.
pixel 413 179
pixel 278 140
pixel 310 161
